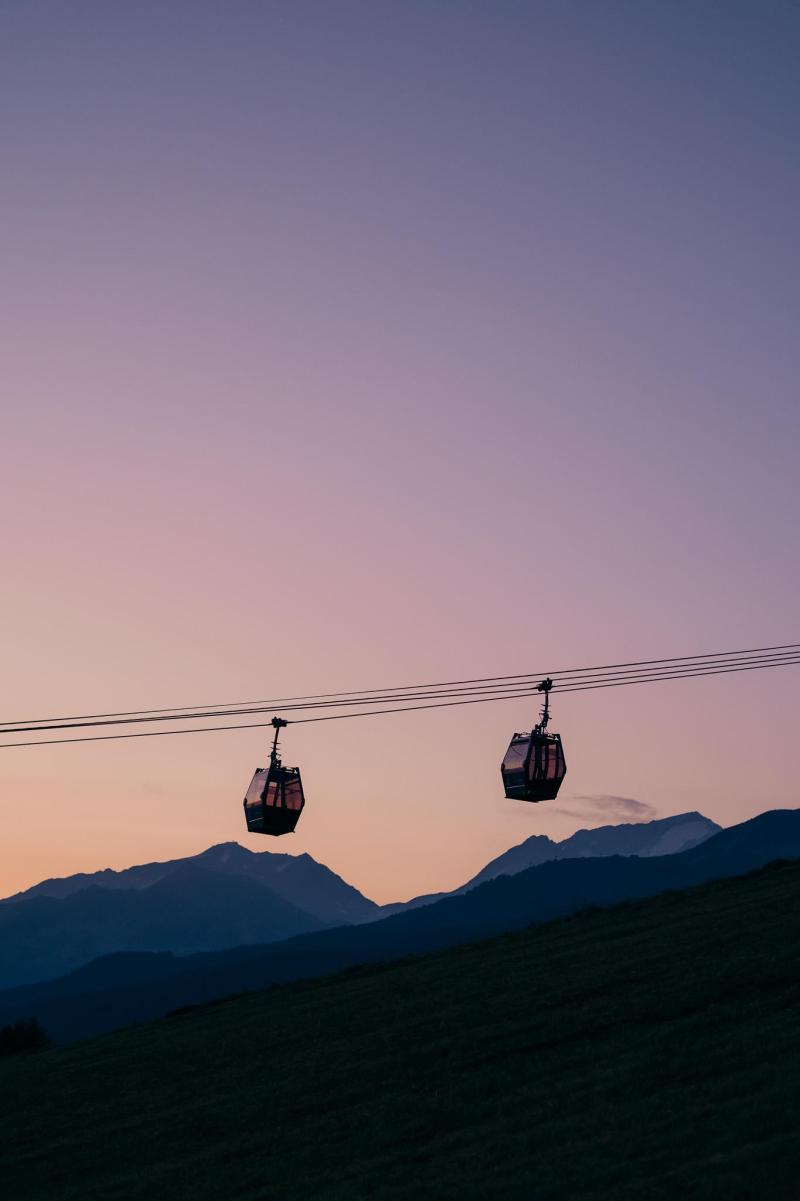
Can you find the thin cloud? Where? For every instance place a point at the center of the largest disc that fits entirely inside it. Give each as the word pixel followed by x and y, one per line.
pixel 624 808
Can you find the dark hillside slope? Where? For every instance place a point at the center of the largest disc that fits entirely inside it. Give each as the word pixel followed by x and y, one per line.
pixel 113 994
pixel 643 1053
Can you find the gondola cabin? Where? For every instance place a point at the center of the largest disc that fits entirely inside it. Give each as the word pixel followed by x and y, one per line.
pixel 533 767
pixel 274 801
pixel 534 764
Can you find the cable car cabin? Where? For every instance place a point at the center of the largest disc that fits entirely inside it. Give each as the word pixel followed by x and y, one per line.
pixel 534 764
pixel 274 801
pixel 533 767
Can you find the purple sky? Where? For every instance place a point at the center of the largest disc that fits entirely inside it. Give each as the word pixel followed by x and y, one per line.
pixel 346 344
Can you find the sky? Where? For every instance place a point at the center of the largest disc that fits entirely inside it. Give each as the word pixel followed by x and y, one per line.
pixel 351 344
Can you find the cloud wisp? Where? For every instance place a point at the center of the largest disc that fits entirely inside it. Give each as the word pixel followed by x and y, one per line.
pixel 605 805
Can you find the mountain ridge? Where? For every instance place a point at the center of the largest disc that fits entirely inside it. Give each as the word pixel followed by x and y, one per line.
pixel 507 903
pixel 635 838
pixel 60 924
pixel 288 875
pixel 661 836
pixel 191 909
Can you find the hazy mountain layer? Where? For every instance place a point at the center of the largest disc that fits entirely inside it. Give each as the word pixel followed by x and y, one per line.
pixel 116 991
pixel 191 909
pixel 664 836
pixel 212 900
pixel 299 879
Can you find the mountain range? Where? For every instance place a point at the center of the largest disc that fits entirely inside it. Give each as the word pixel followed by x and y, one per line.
pixel 222 897
pixel 664 836
pixel 298 879
pixel 228 896
pixel 116 990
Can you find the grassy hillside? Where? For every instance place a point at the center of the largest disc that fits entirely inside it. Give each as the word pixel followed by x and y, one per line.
pixel 648 1051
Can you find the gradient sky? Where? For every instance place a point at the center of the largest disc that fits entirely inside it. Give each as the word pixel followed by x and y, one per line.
pixel 348 344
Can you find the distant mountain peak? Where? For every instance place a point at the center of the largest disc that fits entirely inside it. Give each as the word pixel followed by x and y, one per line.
pixel 225 851
pixel 662 836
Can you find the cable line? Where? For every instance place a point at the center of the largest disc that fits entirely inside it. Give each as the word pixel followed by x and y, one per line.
pixel 375 695
pixel 722 665
pixel 572 688
pixel 525 685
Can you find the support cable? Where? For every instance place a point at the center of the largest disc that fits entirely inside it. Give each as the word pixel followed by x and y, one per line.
pixel 564 679
pixel 378 695
pixel 576 686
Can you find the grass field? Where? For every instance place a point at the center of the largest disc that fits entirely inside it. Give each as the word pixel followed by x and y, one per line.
pixel 649 1051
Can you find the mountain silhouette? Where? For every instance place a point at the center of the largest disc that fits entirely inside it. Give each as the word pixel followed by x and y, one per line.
pixel 222 897
pixel 116 991
pixel 298 879
pixel 184 906
pixel 664 836
pixel 191 909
